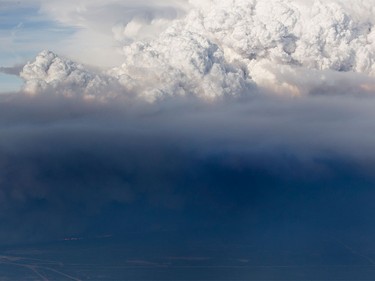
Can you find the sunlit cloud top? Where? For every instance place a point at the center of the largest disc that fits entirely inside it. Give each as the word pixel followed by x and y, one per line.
pixel 207 49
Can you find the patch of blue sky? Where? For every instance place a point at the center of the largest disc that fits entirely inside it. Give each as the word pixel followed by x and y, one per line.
pixel 10 83
pixel 9 16
pixel 24 32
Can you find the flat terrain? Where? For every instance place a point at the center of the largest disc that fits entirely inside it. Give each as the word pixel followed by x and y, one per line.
pixel 160 257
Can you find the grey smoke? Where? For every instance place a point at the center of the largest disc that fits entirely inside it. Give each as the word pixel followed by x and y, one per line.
pixel 66 162
pixel 12 70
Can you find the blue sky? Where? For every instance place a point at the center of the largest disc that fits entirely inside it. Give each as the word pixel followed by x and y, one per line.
pixel 24 32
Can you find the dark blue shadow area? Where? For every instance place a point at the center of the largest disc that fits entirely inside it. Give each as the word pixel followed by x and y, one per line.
pixel 223 217
pixel 91 195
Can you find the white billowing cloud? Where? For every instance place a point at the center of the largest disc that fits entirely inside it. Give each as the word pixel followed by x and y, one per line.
pixel 50 71
pixel 223 48
pixel 313 34
pixel 180 62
